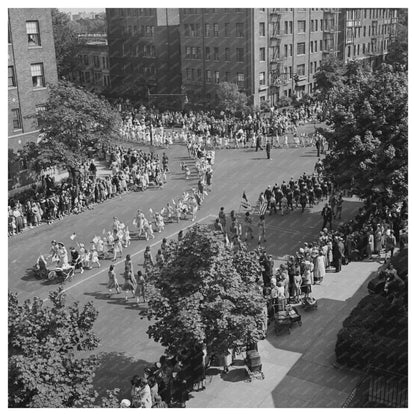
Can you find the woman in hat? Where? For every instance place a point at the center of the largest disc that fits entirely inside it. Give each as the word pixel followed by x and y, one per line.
pixel 112 281
pixel 148 259
pixel 117 247
pixel 319 267
pixel 140 281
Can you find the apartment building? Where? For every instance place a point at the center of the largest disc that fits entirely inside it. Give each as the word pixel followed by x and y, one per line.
pixel 31 67
pixel 269 53
pixel 366 34
pixel 144 52
pixel 94 72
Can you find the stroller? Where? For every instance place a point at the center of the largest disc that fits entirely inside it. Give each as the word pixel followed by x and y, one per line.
pixel 254 366
pixel 40 268
pixel 309 303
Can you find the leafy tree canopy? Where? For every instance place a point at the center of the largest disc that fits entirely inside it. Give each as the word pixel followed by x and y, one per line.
pixel 46 368
pixel 204 294
pixel 230 99
pixel 369 132
pixel 67 45
pixel 74 121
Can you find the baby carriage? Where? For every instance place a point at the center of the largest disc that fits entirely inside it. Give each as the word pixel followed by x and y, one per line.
pixel 254 365
pixel 40 268
pixel 61 274
pixel 309 303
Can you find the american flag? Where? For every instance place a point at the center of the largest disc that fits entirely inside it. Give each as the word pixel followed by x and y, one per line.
pixel 263 208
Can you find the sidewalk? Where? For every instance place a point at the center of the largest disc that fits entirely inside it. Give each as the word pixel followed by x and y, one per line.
pixel 298 367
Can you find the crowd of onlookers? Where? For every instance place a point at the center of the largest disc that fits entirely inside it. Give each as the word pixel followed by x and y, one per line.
pixel 131 169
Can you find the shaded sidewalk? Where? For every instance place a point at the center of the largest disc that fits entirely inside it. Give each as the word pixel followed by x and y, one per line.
pixel 298 367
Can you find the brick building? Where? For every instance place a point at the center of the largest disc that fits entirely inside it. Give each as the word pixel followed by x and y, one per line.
pixel 94 73
pixel 31 67
pixel 144 52
pixel 268 53
pixel 366 34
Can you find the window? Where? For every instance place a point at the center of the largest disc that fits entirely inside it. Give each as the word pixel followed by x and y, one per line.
pixel 262 78
pixel 311 47
pixel 227 54
pixel 262 55
pixel 216 54
pixel 86 61
pixel 96 61
pixel 240 54
pixel 38 78
pixel 17 119
pixel 227 29
pixel 301 26
pixel 217 77
pixel 300 70
pixel 216 30
pixel 188 52
pixel 88 78
pixel 106 80
pixel 312 25
pixel 364 28
pixel 207 29
pixel 32 30
pixel 199 74
pixel 208 75
pixel 39 110
pixel 12 79
pixel 286 53
pixel 81 77
pixel 290 27
pixel 290 50
pixel 301 48
pixel 262 29
pixel 188 74
pixel 207 53
pixel 240 80
pixel 320 45
pixel 239 30
pixel 286 28
pixel 227 77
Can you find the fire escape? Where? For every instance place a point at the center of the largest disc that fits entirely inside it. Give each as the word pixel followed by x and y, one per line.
pixel 277 77
pixel 330 33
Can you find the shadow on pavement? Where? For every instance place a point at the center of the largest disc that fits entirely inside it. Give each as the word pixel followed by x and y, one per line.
pixel 116 371
pixel 235 375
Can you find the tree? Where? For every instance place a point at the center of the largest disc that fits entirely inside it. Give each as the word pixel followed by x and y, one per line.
pixel 328 76
pixel 204 294
pixel 74 122
pixel 67 45
pixel 369 133
pixel 399 49
pixel 229 99
pixel 46 366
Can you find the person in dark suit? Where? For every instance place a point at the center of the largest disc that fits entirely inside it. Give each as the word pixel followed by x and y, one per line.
pixel 327 216
pixel 268 149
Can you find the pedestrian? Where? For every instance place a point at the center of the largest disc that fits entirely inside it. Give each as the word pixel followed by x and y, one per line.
pixel 268 149
pixel 326 214
pixel 261 229
pixel 222 218
pixel 248 221
pixel 338 205
pixel 140 281
pixel 117 247
pixel 390 244
pixel 319 268
pixel 148 259
pixel 112 281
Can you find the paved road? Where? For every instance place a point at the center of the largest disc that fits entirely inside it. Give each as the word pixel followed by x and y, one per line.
pixel 122 331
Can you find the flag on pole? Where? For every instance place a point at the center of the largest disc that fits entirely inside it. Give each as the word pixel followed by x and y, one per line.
pixel 263 207
pixel 245 196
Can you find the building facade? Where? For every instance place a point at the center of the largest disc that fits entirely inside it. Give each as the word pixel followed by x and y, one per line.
pixel 144 52
pixel 94 73
pixel 269 53
pixel 31 67
pixel 365 34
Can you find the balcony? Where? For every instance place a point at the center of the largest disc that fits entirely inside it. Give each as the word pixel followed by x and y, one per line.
pixel 331 29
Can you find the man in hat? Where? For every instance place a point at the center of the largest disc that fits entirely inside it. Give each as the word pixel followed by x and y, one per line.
pixel 327 216
pixel 268 149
